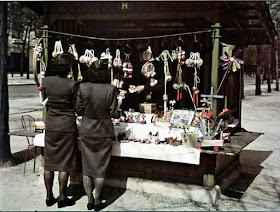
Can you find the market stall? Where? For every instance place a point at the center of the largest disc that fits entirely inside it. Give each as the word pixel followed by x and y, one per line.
pixel 179 80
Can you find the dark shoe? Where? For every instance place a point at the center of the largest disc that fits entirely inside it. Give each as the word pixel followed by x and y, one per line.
pixel 66 202
pixel 50 202
pixel 100 206
pixel 90 206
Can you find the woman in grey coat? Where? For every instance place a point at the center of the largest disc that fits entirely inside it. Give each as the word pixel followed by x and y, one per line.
pixel 60 151
pixel 97 103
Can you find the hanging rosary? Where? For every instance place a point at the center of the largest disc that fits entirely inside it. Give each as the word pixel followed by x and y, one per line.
pixel 127 67
pixel 196 62
pixel 178 83
pixel 164 56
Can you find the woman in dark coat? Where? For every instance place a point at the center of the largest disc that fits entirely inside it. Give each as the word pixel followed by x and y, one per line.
pixel 97 103
pixel 61 130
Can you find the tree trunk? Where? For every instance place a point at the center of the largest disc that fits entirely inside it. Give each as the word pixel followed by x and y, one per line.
pixel 277 64
pixel 23 54
pixel 269 70
pixel 28 44
pixel 5 150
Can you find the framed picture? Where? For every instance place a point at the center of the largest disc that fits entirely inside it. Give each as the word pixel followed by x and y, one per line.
pixel 182 118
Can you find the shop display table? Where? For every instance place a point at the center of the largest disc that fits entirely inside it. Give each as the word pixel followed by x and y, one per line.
pixel 175 163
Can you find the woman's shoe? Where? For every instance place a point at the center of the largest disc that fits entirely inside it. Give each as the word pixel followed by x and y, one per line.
pixel 90 206
pixel 100 206
pixel 50 202
pixel 66 202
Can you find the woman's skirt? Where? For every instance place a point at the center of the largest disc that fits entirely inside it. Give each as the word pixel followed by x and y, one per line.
pixel 96 155
pixel 60 151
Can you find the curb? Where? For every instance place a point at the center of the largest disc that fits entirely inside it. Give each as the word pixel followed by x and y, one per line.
pixel 176 190
pixel 17 84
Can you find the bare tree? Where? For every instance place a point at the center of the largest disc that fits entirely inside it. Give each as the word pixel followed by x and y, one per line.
pixel 28 22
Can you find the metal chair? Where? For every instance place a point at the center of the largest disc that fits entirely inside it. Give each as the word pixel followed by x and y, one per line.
pixel 27 124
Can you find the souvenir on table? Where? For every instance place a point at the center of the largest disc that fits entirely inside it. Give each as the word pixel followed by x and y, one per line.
pixel 171 104
pixel 182 118
pixel 196 62
pixel 161 119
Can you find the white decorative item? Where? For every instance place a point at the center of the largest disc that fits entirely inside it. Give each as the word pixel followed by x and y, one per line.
pixel 88 58
pixel 57 49
pixel 117 63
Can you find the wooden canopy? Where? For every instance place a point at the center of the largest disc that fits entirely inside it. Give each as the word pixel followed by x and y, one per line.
pixel 243 22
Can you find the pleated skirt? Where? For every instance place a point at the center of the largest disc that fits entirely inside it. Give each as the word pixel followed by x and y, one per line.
pixel 96 155
pixel 60 151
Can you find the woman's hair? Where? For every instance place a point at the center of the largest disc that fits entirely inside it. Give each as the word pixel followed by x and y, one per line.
pixel 98 72
pixel 61 64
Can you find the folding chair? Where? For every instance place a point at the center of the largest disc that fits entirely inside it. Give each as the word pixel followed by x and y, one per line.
pixel 27 124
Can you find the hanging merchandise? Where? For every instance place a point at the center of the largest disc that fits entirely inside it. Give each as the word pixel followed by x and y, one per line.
pixel 148 69
pixel 117 62
pixel 164 56
pixel 38 56
pixel 196 62
pixel 57 49
pixel 72 50
pixel 230 62
pixel 107 55
pixel 178 83
pixel 127 67
pixel 88 58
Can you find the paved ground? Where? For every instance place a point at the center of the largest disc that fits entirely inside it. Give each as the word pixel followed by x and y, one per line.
pixel 260 162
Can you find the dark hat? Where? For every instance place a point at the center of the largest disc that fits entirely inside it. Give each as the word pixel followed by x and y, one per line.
pixel 64 59
pixel 98 72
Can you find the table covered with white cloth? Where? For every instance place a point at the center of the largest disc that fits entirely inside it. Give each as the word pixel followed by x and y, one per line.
pixel 163 152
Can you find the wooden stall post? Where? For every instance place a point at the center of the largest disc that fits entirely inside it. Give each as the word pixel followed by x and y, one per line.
pixel 215 62
pixel 45 46
pixel 276 63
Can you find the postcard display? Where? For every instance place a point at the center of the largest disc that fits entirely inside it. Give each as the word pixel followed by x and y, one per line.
pixel 150 133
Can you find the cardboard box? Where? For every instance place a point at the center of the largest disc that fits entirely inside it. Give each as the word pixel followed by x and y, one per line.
pixel 147 107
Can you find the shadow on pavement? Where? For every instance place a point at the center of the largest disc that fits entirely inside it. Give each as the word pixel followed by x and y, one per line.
pixel 250 170
pixel 19 157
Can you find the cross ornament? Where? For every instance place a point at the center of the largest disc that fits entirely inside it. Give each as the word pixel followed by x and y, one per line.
pixel 211 96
